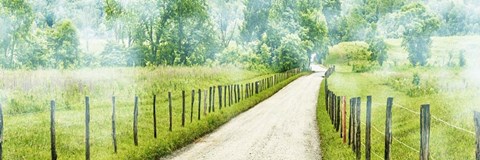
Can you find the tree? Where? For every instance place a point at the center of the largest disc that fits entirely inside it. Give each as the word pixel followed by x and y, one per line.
pixel 16 17
pixel 377 46
pixel 332 11
pixel 63 40
pixel 256 15
pixel 314 31
pixel 421 24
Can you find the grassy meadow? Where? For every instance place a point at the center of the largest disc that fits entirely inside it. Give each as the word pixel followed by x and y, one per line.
pixel 452 92
pixel 25 97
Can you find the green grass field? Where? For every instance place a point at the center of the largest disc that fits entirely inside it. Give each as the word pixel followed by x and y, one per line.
pixel 26 95
pixel 451 91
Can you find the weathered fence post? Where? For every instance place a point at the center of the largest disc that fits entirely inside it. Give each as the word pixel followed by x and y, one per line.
pixel 114 134
pixel 154 116
pixel 170 110
pixel 87 128
pixel 337 114
pixel 52 130
pixel 229 95
pixel 358 129
pixel 205 103
pixel 256 87
pixel 191 108
pixel 344 118
pixel 424 132
pixel 368 127
pixel 209 99
pixel 183 108
pixel 388 129
pixel 239 95
pixel 213 98
pixel 199 102
pixel 135 122
pixel 1 132
pixel 225 95
pixel 220 97
pixel 476 117
pixel 235 93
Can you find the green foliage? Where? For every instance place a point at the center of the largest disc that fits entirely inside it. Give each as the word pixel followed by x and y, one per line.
pixel 114 55
pixel 416 37
pixel 354 54
pixel 332 10
pixel 378 48
pixel 461 59
pixel 64 42
pixel 290 54
pixel 256 15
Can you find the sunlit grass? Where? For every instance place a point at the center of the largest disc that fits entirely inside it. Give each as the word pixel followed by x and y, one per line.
pixel 26 134
pixel 454 103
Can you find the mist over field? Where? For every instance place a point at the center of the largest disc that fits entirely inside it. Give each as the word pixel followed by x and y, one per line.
pixel 419 52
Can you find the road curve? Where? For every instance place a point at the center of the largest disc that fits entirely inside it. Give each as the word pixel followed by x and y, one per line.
pixel 281 127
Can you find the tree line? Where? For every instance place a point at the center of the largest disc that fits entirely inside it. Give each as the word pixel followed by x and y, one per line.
pixel 256 34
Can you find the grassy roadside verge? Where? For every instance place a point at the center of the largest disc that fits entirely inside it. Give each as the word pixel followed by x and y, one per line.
pixel 331 144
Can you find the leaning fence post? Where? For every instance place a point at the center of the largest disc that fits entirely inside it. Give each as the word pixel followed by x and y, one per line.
pixel 476 117
pixel 87 128
pixel 135 122
pixel 170 110
pixel 52 130
pixel 424 132
pixel 114 135
pixel 368 126
pixel 388 129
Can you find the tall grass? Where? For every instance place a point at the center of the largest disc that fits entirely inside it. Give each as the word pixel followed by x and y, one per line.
pixel 25 96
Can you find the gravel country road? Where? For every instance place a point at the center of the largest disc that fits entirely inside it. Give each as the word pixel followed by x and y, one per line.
pixel 282 127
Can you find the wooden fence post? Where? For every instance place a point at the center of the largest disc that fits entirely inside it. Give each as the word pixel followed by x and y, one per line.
pixel 337 114
pixel 135 122
pixel 256 87
pixel 368 127
pixel 191 108
pixel 220 97
pixel 199 102
pixel 170 110
pixel 358 129
pixel 213 98
pixel 1 132
pixel 210 100
pixel 183 108
pixel 239 95
pixel 155 116
pixel 87 128
pixel 225 95
pixel 424 132
pixel 344 119
pixel 52 130
pixel 388 129
pixel 229 95
pixel 205 103
pixel 114 134
pixel 476 118
pixel 235 93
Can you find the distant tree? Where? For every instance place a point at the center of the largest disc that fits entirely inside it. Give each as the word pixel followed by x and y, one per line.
pixel 421 24
pixel 256 15
pixel 377 46
pixel 314 31
pixel 63 40
pixel 461 59
pixel 16 18
pixel 332 11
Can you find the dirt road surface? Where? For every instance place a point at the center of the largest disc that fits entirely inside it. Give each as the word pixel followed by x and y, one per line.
pixel 281 127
